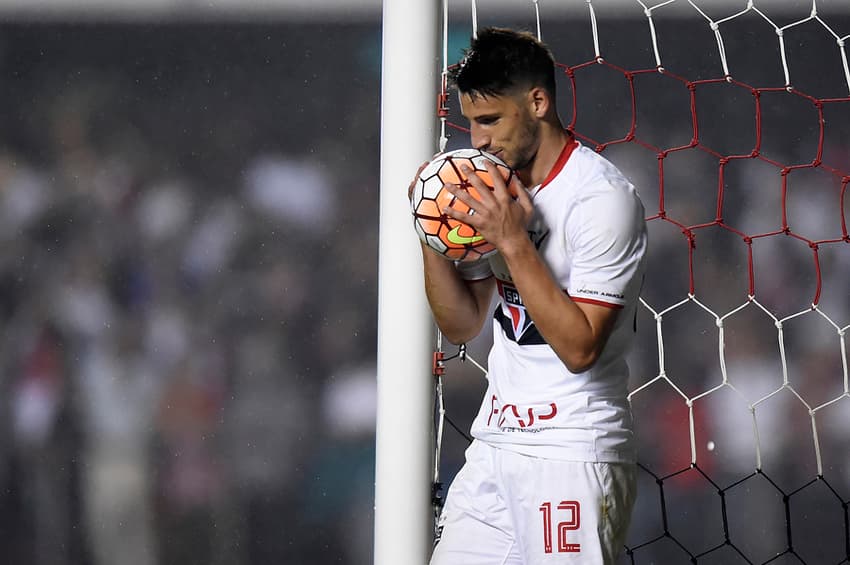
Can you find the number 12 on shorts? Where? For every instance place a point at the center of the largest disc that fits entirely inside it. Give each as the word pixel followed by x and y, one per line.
pixel 573 511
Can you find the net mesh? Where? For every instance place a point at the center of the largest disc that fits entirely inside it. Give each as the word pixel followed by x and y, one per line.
pixel 733 121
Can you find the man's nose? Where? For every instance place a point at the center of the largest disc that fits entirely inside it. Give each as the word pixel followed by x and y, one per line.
pixel 479 139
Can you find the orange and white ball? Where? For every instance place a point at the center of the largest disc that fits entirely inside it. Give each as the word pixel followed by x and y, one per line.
pixel 451 238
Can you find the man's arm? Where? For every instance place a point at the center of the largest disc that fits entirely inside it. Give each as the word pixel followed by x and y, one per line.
pixel 459 307
pixel 577 332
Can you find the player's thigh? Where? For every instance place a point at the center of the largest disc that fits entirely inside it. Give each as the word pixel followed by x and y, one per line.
pixel 468 541
pixel 474 526
pixel 620 485
pixel 570 512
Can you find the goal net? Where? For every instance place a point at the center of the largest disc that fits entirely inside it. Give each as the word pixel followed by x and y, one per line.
pixel 733 119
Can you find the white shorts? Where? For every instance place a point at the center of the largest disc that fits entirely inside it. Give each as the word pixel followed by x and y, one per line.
pixel 504 508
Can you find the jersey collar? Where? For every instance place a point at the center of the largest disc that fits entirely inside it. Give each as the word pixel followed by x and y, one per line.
pixel 559 164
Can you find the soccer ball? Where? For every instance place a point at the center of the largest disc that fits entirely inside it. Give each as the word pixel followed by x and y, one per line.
pixel 451 238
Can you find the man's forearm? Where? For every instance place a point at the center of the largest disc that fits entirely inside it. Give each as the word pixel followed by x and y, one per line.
pixel 459 307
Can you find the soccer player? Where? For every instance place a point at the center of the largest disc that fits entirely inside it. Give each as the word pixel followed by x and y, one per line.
pixel 550 475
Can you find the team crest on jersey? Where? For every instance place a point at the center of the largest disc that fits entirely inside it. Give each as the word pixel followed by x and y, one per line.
pixel 518 318
pixel 511 314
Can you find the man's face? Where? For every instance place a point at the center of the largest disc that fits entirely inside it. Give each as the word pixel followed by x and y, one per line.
pixel 502 125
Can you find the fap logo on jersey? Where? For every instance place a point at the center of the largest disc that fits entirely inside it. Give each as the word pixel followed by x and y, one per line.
pixel 516 323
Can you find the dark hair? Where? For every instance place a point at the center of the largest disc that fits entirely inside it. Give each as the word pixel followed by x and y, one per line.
pixel 500 60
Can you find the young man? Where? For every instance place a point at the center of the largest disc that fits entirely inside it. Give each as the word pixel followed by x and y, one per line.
pixel 550 475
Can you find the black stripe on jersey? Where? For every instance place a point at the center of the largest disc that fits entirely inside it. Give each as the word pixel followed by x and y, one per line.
pixel 529 337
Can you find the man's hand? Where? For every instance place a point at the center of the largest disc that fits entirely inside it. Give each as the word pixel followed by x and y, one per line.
pixel 497 215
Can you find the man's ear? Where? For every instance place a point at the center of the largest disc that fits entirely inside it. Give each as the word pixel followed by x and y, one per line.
pixel 539 101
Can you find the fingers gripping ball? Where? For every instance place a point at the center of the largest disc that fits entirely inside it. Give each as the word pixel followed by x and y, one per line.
pixel 451 238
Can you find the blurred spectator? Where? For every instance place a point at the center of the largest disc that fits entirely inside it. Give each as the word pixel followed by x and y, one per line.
pixel 44 443
pixel 190 471
pixel 269 433
pixel 297 192
pixel 339 507
pixel 24 197
pixel 118 395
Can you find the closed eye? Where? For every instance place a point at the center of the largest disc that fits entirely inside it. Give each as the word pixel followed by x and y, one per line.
pixel 486 120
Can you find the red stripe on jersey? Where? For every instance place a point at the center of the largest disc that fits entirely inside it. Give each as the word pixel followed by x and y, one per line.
pixel 597 302
pixel 559 164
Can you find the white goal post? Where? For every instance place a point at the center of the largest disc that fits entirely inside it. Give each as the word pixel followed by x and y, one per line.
pixel 403 533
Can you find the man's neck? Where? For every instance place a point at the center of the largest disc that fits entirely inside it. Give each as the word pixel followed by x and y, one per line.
pixel 552 142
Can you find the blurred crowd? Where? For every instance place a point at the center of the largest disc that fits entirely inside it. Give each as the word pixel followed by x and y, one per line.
pixel 188 293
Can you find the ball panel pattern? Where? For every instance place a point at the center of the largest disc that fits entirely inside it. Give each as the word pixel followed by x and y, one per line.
pixel 451 238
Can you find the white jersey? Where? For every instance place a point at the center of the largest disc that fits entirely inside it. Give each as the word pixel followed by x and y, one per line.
pixel 590 229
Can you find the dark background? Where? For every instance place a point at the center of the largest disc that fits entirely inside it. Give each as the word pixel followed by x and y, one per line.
pixel 188 288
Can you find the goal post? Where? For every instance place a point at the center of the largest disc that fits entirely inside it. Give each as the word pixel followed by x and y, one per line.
pixel 405 330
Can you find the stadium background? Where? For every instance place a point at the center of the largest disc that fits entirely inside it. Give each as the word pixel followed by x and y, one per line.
pixel 188 289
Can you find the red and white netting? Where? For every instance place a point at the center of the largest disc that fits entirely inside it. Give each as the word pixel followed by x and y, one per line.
pixel 733 119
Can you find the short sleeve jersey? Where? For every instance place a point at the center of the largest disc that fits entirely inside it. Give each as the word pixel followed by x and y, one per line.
pixel 590 229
